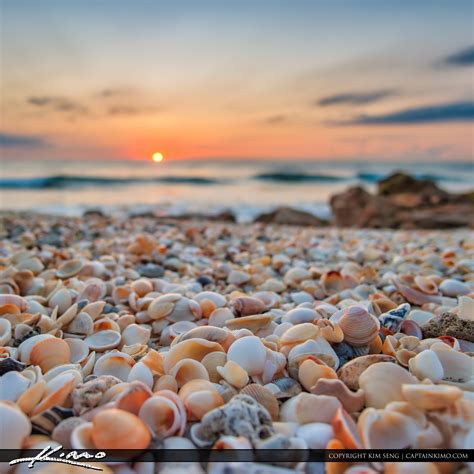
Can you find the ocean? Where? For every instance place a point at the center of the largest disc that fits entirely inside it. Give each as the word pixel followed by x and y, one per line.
pixel 174 187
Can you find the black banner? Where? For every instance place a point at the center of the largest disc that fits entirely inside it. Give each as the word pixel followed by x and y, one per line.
pixel 231 455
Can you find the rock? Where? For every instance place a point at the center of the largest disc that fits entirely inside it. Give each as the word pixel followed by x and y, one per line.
pixel 224 216
pixel 402 183
pixel 151 270
pixel 449 324
pixel 289 216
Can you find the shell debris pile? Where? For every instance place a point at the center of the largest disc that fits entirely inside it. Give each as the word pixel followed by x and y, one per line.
pixel 129 333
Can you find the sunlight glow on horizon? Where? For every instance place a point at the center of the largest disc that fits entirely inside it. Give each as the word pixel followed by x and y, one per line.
pixel 157 157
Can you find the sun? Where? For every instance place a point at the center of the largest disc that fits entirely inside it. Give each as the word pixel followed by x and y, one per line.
pixel 157 157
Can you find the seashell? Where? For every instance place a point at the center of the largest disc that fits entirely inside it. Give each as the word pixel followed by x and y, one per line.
pixel 209 301
pixel 195 385
pixel 94 290
pixel 211 361
pixel 26 346
pixel 311 370
pixel 237 277
pixel 12 385
pixel 141 372
pixel 284 387
pixel 49 353
pixel 57 397
pixel 142 286
pixel 269 298
pixel 62 299
pixel 234 374
pixel 69 269
pixel 174 307
pixel 414 296
pixel 419 316
pixel 63 431
pixel 300 315
pixel 411 328
pixel 5 331
pixel 454 288
pixel 114 363
pixel 201 402
pixel 350 372
pixel 426 365
pixel 82 324
pixel 345 430
pixel 265 397
pixel 119 429
pixel 189 369
pixel 68 315
pixel 161 415
pixel 166 382
pixel 220 316
pixel 246 306
pixel 14 300
pixel 308 408
pixel 9 364
pixel 359 327
pixel 332 282
pixel 104 324
pixel 131 398
pixel 382 383
pixel 19 426
pixel 332 332
pixel 136 334
pixel 249 353
pixel 254 323
pixel 299 333
pixel 318 348
pixel 79 350
pixel 81 436
pixel 154 360
pixel 466 308
pixel 351 401
pixel 94 309
pixel 190 349
pixel 316 435
pixel 209 333
pixel 431 397
pixel 426 285
pixel 295 276
pixel 33 264
pixel 457 366
pixel 103 340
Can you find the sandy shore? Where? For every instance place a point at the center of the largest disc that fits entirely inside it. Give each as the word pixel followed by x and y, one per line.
pixel 153 332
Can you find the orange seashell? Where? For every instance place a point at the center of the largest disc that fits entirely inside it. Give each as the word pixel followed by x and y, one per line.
pixel 133 397
pixel 57 398
pixel 345 430
pixel 33 395
pixel 199 403
pixel 375 347
pixel 247 306
pixel 332 282
pixel 9 308
pixel 310 372
pixel 154 361
pixel 119 429
pixel 50 353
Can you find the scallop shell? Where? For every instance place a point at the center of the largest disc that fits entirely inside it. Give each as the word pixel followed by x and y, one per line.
pixel 103 340
pixel 50 353
pixel 26 346
pixel 249 353
pixel 189 369
pixel 284 387
pixel 119 429
pixel 265 397
pixel 382 383
pixel 19 426
pixel 114 363
pixel 359 327
pixel 190 349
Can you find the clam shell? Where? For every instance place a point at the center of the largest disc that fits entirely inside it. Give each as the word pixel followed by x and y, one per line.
pixel 300 315
pixel 234 374
pixel 382 383
pixel 26 346
pixel 249 353
pixel 452 287
pixel 141 372
pixel 50 353
pixel 69 269
pixel 114 363
pixel 253 323
pixel 62 299
pixel 426 365
pixel 19 426
pixel 220 316
pixel 457 366
pixel 309 408
pixel 79 350
pixel 265 397
pixel 131 398
pixel 161 415
pixel 246 306
pixel 5 331
pixel 103 340
pixel 299 333
pixel 119 429
pixel 136 334
pixel 189 369
pixel 12 385
pixel 211 361
pixel 82 324
pixel 426 285
pixel 359 327
pixel 318 348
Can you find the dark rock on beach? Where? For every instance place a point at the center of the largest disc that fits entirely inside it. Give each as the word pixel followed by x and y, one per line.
pixel 448 324
pixel 289 216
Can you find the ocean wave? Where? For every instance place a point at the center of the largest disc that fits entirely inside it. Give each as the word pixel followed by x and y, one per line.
pixel 298 177
pixel 66 181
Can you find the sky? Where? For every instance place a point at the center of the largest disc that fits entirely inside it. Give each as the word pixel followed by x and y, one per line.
pixel 121 79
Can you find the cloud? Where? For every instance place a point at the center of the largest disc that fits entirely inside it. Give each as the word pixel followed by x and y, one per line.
pixel 114 92
pixel 451 112
pixel 464 57
pixel 11 140
pixel 122 110
pixel 356 98
pixel 59 104
pixel 275 119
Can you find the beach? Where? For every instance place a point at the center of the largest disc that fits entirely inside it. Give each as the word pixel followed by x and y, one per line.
pixel 135 332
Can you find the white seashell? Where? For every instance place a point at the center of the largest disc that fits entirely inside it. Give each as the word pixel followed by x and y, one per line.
pixel 62 299
pixel 319 348
pixel 12 385
pixel 136 334
pixel 81 437
pixel 19 426
pixel 316 435
pixel 26 346
pixel 141 373
pixel 308 408
pixel 237 277
pixel 419 316
pixel 103 340
pixel 63 379
pixel 453 288
pixel 5 331
pixel 300 315
pixel 249 353
pixel 88 365
pixel 55 371
pixel 82 324
pixel 79 350
pixel 426 365
pixel 114 363
pixel 220 316
pixel 457 366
